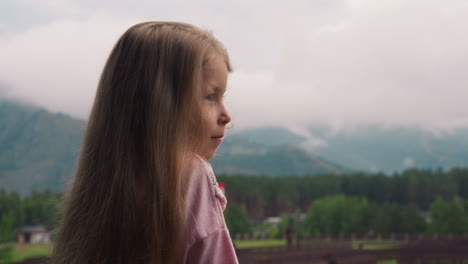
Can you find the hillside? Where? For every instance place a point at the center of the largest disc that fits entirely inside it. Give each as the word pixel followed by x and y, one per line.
pixel 374 148
pixel 269 151
pixel 38 149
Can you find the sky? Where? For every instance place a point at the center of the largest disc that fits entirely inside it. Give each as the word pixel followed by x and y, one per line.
pixel 342 63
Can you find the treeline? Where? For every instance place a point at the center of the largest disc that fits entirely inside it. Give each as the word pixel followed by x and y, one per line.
pixel 39 208
pixel 346 215
pixel 339 214
pixel 328 215
pixel 256 197
pixel 270 196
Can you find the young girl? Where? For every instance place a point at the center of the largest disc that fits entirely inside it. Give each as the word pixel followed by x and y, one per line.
pixel 143 190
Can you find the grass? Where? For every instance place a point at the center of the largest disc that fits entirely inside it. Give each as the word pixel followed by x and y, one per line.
pixel 20 252
pixel 375 245
pixel 24 251
pixel 389 261
pixel 366 244
pixel 259 243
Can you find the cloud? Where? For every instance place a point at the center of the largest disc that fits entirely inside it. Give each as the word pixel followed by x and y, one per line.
pixel 391 62
pixel 58 64
pixel 344 63
pixel 408 162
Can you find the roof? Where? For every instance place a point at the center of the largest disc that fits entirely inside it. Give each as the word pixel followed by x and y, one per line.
pixel 36 228
pixel 273 220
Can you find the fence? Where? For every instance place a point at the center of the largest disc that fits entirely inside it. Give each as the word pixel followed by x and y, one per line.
pixel 327 249
pixel 420 249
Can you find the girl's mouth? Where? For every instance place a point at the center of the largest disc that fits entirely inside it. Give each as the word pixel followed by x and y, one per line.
pixel 220 138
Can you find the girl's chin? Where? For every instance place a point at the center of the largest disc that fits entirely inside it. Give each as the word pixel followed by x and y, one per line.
pixel 207 155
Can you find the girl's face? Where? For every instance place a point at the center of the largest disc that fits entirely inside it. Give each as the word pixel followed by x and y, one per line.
pixel 214 113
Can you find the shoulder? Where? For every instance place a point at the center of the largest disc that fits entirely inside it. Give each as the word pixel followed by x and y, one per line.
pixel 203 212
pixel 215 248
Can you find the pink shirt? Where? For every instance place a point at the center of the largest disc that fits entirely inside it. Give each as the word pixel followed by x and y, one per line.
pixel 207 239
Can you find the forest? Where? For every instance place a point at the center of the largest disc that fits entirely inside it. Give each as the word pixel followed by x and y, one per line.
pixel 265 196
pixel 414 201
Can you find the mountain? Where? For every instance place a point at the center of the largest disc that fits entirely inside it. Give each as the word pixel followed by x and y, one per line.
pixel 268 136
pixel 242 154
pixel 376 148
pixel 38 149
pixel 373 148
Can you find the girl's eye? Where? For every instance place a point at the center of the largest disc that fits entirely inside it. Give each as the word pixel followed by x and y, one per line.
pixel 211 97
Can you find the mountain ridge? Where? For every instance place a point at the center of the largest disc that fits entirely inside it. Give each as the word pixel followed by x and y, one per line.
pixel 39 150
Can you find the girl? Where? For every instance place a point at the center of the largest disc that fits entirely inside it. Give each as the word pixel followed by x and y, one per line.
pixel 143 191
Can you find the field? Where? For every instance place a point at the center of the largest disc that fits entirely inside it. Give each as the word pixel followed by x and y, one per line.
pixel 259 243
pixel 20 252
pixel 375 245
pixel 23 251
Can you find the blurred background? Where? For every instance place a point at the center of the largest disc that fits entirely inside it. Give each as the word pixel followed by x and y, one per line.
pixel 349 117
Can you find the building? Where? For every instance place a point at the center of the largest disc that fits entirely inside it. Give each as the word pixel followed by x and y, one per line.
pixel 33 235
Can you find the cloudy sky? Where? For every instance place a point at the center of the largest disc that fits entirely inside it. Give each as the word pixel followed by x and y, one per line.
pixel 336 62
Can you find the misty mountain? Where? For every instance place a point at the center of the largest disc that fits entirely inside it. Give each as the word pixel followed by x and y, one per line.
pixel 269 136
pixel 39 150
pixel 373 148
pixel 244 155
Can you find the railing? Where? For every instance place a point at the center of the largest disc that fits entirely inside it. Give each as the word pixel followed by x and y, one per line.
pixel 339 249
pixel 412 249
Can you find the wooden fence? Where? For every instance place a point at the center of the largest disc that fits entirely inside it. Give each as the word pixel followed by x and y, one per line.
pixel 434 249
pixel 327 250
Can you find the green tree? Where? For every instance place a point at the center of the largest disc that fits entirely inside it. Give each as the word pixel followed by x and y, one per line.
pixel 386 219
pixel 412 220
pixel 236 219
pixel 11 203
pixel 448 217
pixel 6 227
pixel 337 215
pixel 286 220
pixel 439 211
pixel 40 208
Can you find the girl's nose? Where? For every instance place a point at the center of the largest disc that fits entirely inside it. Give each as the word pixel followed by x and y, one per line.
pixel 225 117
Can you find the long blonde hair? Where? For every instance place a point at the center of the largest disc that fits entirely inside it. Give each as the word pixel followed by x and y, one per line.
pixel 125 203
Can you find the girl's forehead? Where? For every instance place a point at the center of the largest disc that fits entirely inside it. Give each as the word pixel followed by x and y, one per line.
pixel 213 61
pixel 215 72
